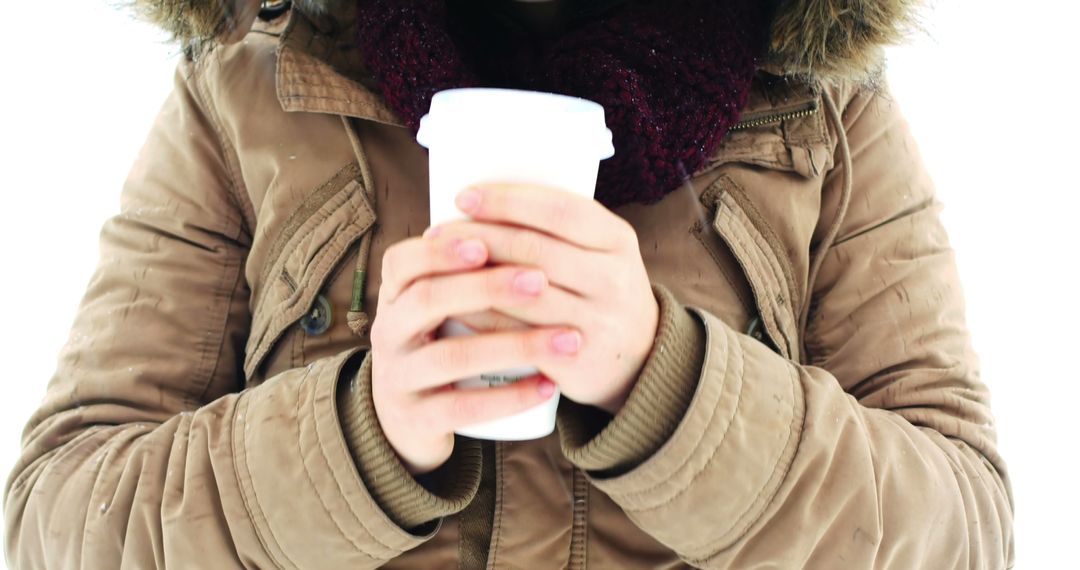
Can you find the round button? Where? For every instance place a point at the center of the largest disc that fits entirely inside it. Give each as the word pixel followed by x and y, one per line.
pixel 319 318
pixel 756 329
pixel 271 9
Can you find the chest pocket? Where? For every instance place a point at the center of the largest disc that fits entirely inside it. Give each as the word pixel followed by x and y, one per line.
pixel 768 174
pixel 763 263
pixel 308 251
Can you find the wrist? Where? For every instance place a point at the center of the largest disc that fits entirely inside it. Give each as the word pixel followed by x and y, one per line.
pixel 615 402
pixel 408 500
pixel 655 406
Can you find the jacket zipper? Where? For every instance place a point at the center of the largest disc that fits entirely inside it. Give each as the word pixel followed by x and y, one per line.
pixel 579 530
pixel 762 119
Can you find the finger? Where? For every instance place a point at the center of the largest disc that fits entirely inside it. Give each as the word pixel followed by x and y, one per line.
pixel 553 307
pixel 457 408
pixel 448 360
pixel 519 292
pixel 490 321
pixel 576 219
pixel 428 301
pixel 411 259
pixel 573 268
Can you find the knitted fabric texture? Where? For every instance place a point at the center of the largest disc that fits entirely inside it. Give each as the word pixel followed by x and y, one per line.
pixel 672 76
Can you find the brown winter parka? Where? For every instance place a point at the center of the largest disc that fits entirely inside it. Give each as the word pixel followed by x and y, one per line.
pixel 812 399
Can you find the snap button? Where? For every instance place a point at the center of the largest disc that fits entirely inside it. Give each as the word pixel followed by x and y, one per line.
pixel 319 318
pixel 757 329
pixel 271 9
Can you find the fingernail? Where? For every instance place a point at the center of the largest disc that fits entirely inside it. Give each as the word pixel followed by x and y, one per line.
pixel 433 231
pixel 468 201
pixel 546 387
pixel 470 251
pixel 566 342
pixel 529 282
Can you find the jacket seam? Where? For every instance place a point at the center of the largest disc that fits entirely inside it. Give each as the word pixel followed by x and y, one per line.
pixel 228 155
pixel 296 341
pixel 818 136
pixel 309 212
pixel 45 462
pixel 281 320
pixel 918 208
pixel 579 528
pixel 224 296
pixel 461 543
pixel 253 508
pixel 704 467
pixel 768 234
pixel 333 417
pixel 968 452
pixel 229 297
pixel 743 525
pixel 211 337
pixel 756 264
pixel 697 444
pixel 322 501
pixel 857 408
pixel 959 473
pixel 496 527
pixel 757 276
pixel 329 255
pixel 309 97
pixel 848 99
pixel 698 232
pixel 811 338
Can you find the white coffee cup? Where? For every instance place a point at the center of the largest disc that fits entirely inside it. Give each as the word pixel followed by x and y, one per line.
pixel 478 135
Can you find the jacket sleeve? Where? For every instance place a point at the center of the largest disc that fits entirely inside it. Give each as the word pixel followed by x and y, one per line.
pixel 878 453
pixel 147 451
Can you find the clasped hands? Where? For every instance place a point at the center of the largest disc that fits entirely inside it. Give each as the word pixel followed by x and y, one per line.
pixel 550 279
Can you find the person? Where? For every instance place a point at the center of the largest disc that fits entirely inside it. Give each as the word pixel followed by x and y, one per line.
pixel 757 327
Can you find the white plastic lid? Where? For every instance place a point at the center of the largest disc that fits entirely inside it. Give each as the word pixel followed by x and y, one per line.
pixel 504 116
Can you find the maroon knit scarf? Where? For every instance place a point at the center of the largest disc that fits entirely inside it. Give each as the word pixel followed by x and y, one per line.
pixel 672 75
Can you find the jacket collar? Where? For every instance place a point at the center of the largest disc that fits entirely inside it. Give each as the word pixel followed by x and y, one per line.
pixel 318 71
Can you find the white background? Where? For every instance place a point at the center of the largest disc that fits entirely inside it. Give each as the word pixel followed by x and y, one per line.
pixel 990 91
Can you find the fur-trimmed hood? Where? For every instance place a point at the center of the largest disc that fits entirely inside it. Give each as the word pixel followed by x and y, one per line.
pixel 835 39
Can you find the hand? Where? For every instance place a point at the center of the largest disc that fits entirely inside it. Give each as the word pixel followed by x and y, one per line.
pixel 423 282
pixel 599 285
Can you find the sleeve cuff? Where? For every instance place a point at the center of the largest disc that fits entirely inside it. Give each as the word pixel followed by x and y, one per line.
pixel 407 501
pixel 595 441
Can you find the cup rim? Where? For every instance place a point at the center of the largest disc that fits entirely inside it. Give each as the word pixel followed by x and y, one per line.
pixel 577 124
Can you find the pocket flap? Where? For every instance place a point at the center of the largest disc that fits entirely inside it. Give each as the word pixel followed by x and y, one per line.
pixel 789 135
pixel 312 243
pixel 760 256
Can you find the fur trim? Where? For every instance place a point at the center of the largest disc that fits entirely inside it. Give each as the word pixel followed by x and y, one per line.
pixel 186 20
pixel 825 39
pixel 838 39
pixel 195 22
